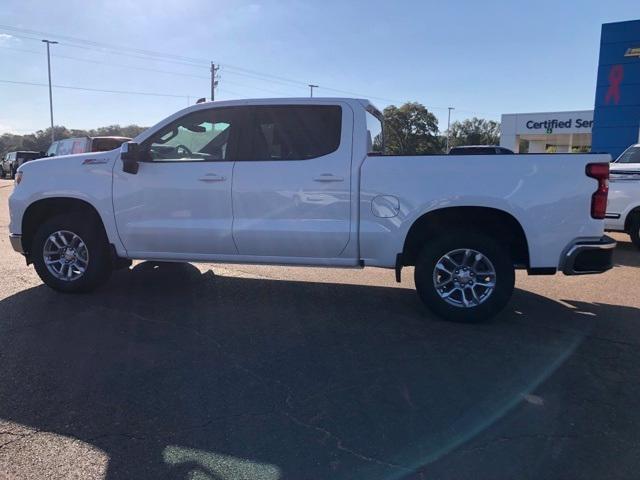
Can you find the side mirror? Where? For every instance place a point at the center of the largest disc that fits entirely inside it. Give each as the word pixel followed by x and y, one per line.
pixel 130 155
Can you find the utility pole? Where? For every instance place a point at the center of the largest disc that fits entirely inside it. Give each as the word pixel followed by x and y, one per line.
pixel 214 80
pixel 311 87
pixel 50 42
pixel 448 127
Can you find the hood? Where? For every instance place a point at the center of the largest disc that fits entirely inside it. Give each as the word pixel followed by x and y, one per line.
pixel 87 158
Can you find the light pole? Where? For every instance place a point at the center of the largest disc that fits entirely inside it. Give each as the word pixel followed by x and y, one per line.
pixel 448 126
pixel 311 87
pixel 50 42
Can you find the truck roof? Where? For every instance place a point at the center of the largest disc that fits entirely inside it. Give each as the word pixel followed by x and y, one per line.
pixel 354 102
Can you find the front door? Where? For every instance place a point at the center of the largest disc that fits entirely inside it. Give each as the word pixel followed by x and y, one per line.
pixel 178 205
pixel 291 185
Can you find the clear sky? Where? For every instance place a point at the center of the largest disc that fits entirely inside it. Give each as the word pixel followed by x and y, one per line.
pixel 482 57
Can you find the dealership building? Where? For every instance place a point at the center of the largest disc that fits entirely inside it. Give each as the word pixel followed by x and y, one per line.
pixel 558 132
pixel 611 126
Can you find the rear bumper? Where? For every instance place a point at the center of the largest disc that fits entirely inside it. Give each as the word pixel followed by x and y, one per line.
pixel 589 256
pixel 16 242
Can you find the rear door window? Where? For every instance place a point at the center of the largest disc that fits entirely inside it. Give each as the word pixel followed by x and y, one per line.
pixel 294 132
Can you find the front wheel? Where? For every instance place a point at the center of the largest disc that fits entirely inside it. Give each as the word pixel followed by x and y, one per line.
pixel 464 277
pixel 71 254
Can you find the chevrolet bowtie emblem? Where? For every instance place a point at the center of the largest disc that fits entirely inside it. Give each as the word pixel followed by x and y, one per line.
pixel 632 52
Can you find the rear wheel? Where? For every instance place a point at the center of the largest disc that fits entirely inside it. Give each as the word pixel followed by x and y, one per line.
pixel 634 230
pixel 464 277
pixel 71 254
pixel 12 171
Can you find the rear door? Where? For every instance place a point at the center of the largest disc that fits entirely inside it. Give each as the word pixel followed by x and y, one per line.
pixel 291 184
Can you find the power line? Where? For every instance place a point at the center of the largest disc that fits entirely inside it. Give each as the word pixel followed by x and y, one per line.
pixel 179 59
pixel 154 70
pixel 193 62
pixel 87 89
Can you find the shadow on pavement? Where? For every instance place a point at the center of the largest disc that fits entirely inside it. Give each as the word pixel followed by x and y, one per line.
pixel 626 254
pixel 178 374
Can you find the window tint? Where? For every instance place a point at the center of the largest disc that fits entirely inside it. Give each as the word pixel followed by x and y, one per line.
pixel 106 144
pixel 28 155
pixel 199 136
pixel 295 132
pixel 630 155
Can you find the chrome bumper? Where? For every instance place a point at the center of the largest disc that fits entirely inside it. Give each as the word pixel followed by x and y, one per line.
pixel 585 257
pixel 16 242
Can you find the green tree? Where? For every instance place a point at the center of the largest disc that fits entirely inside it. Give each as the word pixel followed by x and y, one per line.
pixel 411 130
pixel 474 131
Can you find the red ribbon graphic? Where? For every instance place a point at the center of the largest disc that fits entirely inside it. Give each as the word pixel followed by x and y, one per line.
pixel 616 74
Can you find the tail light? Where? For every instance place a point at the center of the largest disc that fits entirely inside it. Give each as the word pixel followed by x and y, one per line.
pixel 599 171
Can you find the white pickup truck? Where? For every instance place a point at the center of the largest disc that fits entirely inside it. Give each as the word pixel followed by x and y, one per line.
pixel 623 210
pixel 306 182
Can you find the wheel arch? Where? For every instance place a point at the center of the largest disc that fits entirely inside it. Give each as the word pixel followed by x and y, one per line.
pixel 494 222
pixel 45 208
pixel 629 217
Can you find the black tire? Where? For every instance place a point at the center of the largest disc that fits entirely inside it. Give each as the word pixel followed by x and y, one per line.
pixel 99 264
pixel 489 306
pixel 634 229
pixel 12 173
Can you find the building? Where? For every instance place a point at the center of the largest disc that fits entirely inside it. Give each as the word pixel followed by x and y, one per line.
pixel 558 132
pixel 617 103
pixel 611 127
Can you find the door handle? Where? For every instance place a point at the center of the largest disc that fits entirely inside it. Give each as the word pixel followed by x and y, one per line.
pixel 212 177
pixel 328 177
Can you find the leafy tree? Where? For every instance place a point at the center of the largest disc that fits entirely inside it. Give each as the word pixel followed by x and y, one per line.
pixel 411 130
pixel 474 131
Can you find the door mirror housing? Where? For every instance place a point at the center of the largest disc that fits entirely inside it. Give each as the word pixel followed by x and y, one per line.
pixel 130 155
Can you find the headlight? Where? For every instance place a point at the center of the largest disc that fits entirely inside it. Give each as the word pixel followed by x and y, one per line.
pixel 18 178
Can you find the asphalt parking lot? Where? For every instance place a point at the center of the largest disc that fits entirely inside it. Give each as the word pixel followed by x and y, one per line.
pixel 207 371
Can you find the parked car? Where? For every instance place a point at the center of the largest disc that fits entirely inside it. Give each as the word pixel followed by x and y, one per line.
pixel 480 150
pixel 70 146
pixel 623 209
pixel 307 182
pixel 12 160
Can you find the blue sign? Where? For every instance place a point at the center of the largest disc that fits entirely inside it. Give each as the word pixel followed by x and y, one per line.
pixel 616 116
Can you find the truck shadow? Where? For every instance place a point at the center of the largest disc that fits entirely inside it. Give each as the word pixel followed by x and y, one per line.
pixel 626 254
pixel 174 373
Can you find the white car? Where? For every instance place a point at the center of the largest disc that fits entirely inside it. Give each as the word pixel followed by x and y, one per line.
pixel 623 210
pixel 306 182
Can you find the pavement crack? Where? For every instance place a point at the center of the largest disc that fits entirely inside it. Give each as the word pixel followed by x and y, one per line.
pixel 18 437
pixel 342 447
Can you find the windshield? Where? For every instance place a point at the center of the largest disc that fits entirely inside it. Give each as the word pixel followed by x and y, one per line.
pixel 630 155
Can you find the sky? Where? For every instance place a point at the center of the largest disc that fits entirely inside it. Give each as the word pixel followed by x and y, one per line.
pixel 483 58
